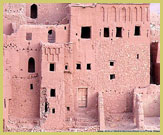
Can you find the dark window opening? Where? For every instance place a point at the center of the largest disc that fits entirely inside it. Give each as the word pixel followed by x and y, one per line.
pixel 31 65
pixel 112 76
pixel 50 32
pixel 46 106
pixel 137 56
pixel 66 67
pixel 28 36
pixel 86 32
pixel 52 67
pixel 5 103
pixel 52 93
pixel 31 86
pixel 119 32
pixel 111 63
pixel 53 110
pixel 106 32
pixel 34 11
pixel 68 108
pixel 51 36
pixel 65 28
pixel 88 66
pixel 78 66
pixel 137 31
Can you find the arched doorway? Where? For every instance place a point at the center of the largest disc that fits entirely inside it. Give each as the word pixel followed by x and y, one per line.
pixel 31 65
pixel 51 36
pixel 34 11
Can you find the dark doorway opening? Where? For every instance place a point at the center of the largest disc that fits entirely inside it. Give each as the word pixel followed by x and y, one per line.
pixel 31 65
pixel 34 11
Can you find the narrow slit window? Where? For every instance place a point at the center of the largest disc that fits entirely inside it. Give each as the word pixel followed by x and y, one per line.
pixel 119 32
pixel 53 110
pixel 88 66
pixel 86 32
pixel 5 103
pixel 52 67
pixel 66 67
pixel 112 76
pixel 31 86
pixel 128 33
pixel 78 66
pixel 46 106
pixel 28 36
pixel 137 56
pixel 137 31
pixel 106 32
pixel 52 93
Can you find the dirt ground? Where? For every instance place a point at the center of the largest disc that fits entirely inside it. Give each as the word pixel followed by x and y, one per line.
pixel 115 123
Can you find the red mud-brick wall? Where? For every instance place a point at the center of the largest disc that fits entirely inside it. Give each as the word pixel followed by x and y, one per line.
pixel 13 13
pixel 53 53
pixel 53 80
pixel 129 70
pixel 151 100
pixel 19 13
pixel 56 13
pixel 21 50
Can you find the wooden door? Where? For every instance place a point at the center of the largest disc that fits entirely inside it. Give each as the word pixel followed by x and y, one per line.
pixel 82 97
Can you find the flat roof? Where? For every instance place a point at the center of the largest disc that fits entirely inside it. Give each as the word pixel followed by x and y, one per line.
pixel 94 4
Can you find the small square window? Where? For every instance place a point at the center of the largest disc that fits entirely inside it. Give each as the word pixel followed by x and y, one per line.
pixel 52 93
pixel 137 31
pixel 106 32
pixel 31 86
pixel 112 76
pixel 52 67
pixel 118 31
pixel 111 63
pixel 68 108
pixel 28 36
pixel 78 66
pixel 53 110
pixel 88 66
pixel 85 32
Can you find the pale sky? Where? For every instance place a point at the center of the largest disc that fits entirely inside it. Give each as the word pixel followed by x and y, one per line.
pixel 155 7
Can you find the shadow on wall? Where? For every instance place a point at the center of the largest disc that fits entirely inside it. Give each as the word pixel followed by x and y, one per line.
pixel 154 64
pixel 9 30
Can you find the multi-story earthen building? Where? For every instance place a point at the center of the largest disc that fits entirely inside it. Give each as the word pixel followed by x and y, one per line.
pixel 63 62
